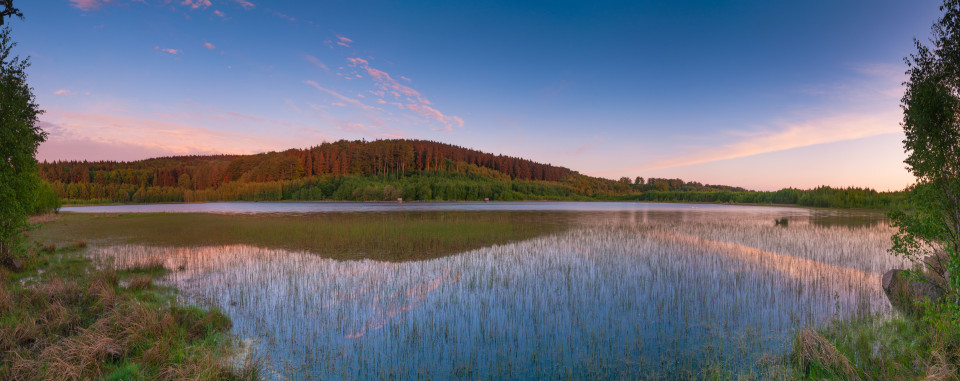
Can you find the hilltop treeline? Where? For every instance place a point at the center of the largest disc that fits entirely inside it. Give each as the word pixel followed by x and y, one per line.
pixel 385 170
pixel 330 171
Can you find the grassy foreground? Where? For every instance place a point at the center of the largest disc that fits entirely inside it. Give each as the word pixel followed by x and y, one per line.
pixel 919 344
pixel 63 318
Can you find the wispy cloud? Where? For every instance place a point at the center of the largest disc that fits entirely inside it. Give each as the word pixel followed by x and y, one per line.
pixel 209 46
pixel 368 125
pixel 166 50
pixel 281 15
pixel 62 92
pixel 343 41
pixel 316 62
pixel 199 111
pixel 245 4
pixel 861 106
pixel 79 130
pixel 340 96
pixel 587 147
pixel 88 5
pixel 412 99
pixel 194 4
pixel 789 135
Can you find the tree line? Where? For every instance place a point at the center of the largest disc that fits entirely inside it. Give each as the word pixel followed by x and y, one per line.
pixel 380 157
pixel 385 170
pixel 424 186
pixel 820 197
pixel 253 177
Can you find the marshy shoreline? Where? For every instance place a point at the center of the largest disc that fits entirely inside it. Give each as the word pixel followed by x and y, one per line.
pixel 435 236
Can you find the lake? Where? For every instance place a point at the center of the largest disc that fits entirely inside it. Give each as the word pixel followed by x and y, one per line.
pixel 505 290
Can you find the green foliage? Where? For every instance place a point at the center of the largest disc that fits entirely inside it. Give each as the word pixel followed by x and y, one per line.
pixel 925 344
pixel 931 124
pixel 470 185
pixel 317 173
pixel 45 199
pixel 20 134
pixel 884 348
pixel 820 197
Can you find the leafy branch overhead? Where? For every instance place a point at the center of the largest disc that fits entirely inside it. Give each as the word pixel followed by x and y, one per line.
pixel 8 10
pixel 931 124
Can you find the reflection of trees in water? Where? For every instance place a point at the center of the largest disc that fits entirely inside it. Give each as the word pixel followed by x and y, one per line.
pixel 393 236
pixel 849 219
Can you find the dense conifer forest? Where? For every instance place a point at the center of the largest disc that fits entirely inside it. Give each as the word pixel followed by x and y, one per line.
pixel 387 170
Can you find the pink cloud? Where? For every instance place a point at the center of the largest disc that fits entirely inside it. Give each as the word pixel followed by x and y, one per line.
pixel 357 61
pixel 209 46
pixel 104 136
pixel 338 104
pixel 88 5
pixel 194 4
pixel 62 92
pixel 343 41
pixel 245 4
pixel 386 82
pixel 790 135
pixel 166 50
pixel 220 14
pixel 282 15
pixel 415 101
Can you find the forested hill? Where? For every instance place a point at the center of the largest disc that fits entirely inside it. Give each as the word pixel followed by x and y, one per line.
pixel 344 170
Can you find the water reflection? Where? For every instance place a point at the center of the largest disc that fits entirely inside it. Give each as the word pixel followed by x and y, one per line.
pixel 628 294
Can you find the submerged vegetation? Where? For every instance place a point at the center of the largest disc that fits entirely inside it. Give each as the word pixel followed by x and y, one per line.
pixel 645 293
pixel 680 294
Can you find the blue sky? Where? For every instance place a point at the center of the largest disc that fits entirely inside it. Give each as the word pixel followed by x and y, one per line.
pixel 761 94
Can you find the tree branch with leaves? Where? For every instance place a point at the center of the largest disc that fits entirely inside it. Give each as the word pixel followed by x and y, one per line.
pixel 931 125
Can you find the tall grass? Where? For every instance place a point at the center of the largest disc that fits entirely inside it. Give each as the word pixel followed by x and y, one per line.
pixel 64 320
pixel 641 294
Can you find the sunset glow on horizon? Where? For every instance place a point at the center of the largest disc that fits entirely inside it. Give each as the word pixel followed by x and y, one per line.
pixel 754 94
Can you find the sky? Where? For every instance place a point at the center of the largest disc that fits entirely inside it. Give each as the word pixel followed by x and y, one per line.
pixel 759 94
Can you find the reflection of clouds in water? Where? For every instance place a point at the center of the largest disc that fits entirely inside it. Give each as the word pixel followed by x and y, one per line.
pixel 600 300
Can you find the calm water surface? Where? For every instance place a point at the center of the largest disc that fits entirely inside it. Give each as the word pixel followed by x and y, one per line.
pixel 321 207
pixel 622 290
